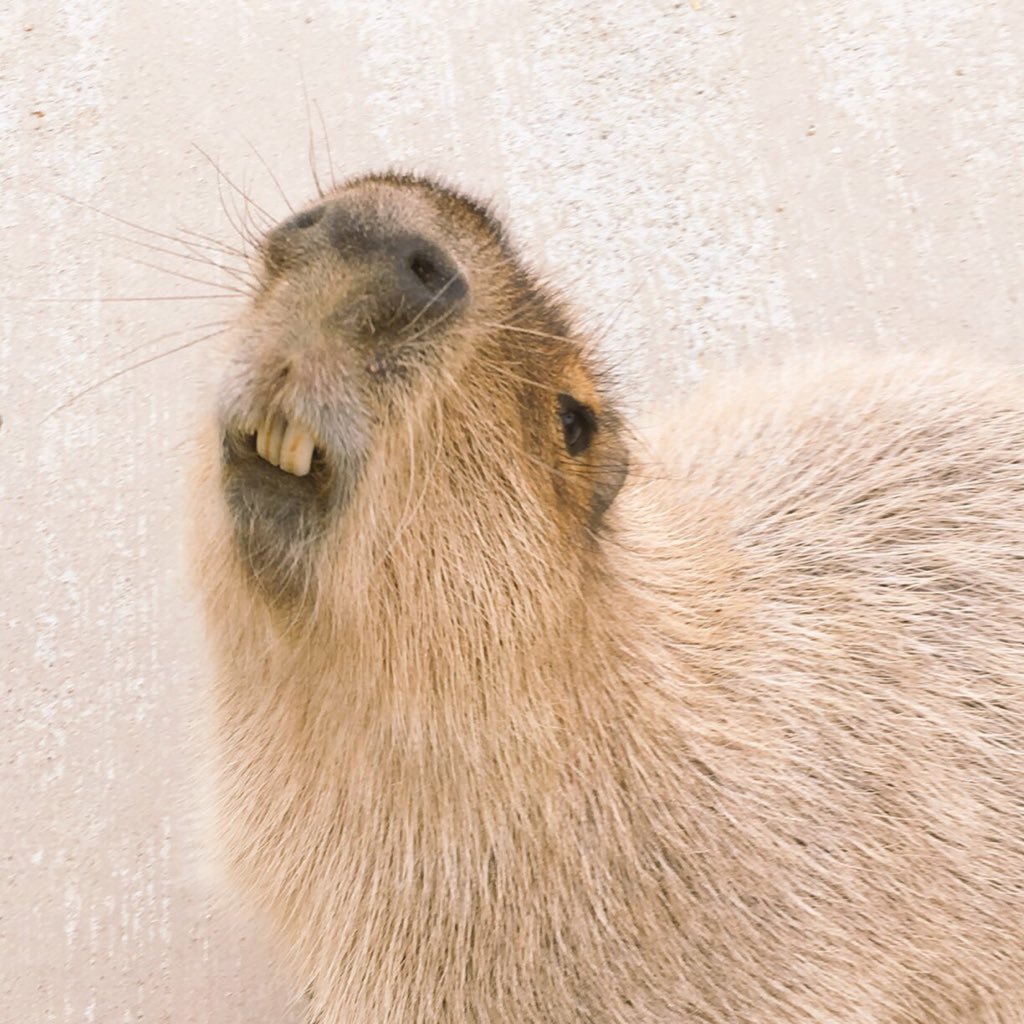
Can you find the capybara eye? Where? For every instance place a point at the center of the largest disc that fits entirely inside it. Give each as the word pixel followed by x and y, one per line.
pixel 579 424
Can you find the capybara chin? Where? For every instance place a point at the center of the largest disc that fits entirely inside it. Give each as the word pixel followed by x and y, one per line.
pixel 522 716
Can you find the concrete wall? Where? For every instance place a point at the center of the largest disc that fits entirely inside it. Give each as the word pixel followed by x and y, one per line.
pixel 702 183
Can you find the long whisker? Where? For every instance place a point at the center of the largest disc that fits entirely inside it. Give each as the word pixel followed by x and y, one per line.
pixel 249 234
pixel 222 324
pixel 498 368
pixel 131 224
pixel 208 242
pixel 125 370
pixel 312 147
pixel 117 298
pixel 273 176
pixel 528 330
pixel 428 326
pixel 433 299
pixel 189 257
pixel 249 201
pixel 201 250
pixel 501 369
pixel 228 289
pixel 239 227
pixel 327 142
pixel 246 215
pixel 256 230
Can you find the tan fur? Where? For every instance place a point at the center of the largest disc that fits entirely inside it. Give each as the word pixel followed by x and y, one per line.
pixel 752 750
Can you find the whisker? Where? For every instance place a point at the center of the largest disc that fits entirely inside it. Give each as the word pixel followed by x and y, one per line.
pixel 117 298
pixel 327 142
pixel 125 370
pixel 273 176
pixel 312 147
pixel 130 224
pixel 500 369
pixel 191 258
pixel 212 243
pixel 530 331
pixel 239 227
pixel 172 334
pixel 256 230
pixel 433 299
pixel 252 230
pixel 240 222
pixel 249 201
pixel 427 326
pixel 228 289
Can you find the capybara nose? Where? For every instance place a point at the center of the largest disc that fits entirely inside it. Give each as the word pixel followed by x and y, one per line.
pixel 408 272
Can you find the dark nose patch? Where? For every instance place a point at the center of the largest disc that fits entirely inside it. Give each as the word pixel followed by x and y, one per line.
pixel 424 276
pixel 304 218
pixel 406 274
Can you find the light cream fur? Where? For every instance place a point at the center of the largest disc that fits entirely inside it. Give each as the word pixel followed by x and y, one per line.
pixel 754 752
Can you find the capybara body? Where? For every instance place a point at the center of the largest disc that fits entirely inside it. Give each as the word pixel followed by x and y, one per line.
pixel 522 717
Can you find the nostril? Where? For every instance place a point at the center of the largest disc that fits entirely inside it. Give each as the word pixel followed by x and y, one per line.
pixel 287 245
pixel 307 218
pixel 429 273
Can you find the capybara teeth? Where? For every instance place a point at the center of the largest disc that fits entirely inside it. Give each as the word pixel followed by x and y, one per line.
pixel 289 446
pixel 263 438
pixel 275 435
pixel 297 450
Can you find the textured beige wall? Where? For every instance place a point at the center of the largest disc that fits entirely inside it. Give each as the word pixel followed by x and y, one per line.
pixel 703 183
